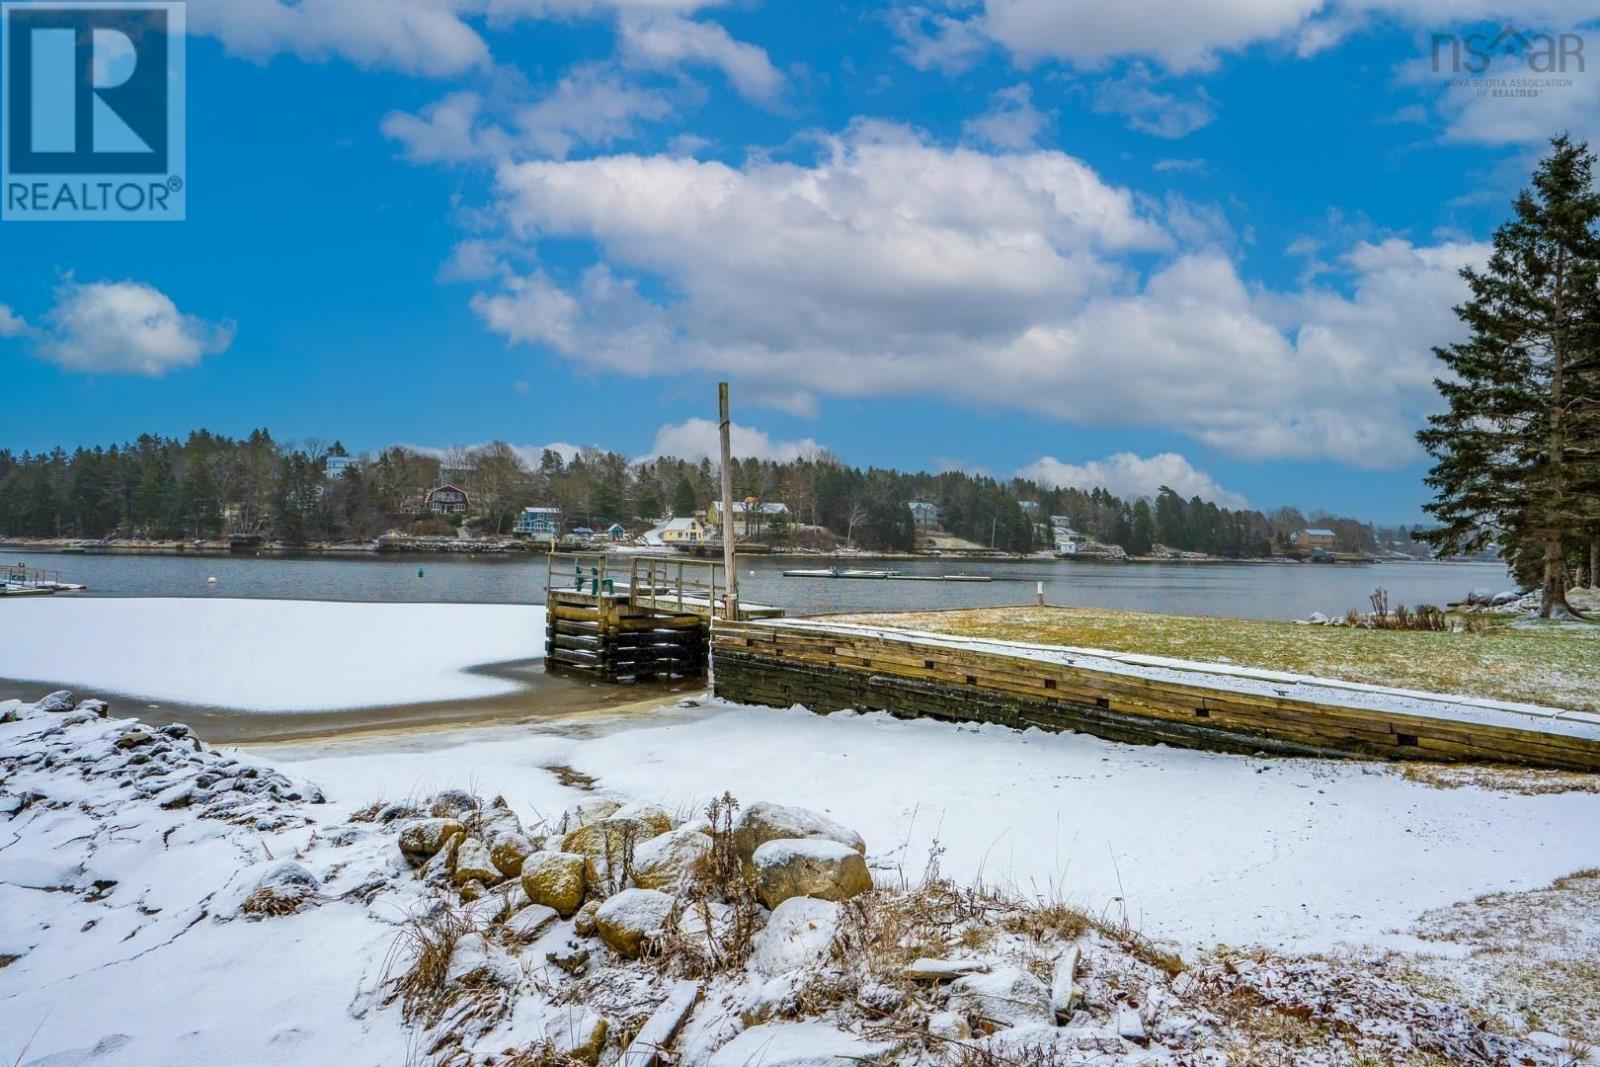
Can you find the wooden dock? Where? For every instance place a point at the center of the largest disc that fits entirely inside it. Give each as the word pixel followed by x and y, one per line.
pixel 647 619
pixel 1139 699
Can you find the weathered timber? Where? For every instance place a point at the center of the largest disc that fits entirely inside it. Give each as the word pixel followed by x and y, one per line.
pixel 829 668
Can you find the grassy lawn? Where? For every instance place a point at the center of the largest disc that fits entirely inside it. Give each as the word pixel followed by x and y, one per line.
pixel 1552 664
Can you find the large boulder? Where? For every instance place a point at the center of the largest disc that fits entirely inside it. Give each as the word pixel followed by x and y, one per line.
pixel 762 822
pixel 454 804
pixel 578 1033
pixel 509 849
pixel 1005 996
pixel 554 879
pixel 475 962
pixel 421 840
pixel 633 919
pixel 664 861
pixel 814 867
pixel 799 934
pixel 608 842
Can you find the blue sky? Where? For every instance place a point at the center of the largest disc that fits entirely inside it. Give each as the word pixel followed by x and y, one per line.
pixel 1204 242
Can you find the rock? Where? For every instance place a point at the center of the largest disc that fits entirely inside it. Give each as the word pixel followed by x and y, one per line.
pixel 398 810
pixel 949 1026
pixel 454 804
pixel 583 923
pixel 421 840
pixel 508 850
pixel 1317 618
pixel 808 1044
pixel 656 817
pixel 475 962
pixel 932 970
pixel 474 865
pixel 1064 992
pixel 98 708
pixel 799 934
pixel 632 919
pixel 1480 597
pixel 137 737
pixel 1507 597
pixel 438 869
pixel 664 861
pixel 554 879
pixel 57 703
pixel 608 842
pixel 530 922
pixel 817 867
pixel 579 1033
pixel 587 812
pixel 1130 1027
pixel 1006 996
pixel 762 822
pixel 571 958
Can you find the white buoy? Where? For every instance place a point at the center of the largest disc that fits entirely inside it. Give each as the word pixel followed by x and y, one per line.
pixel 211 581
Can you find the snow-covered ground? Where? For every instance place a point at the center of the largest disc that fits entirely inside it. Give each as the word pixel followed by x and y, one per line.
pixel 1197 847
pixel 268 655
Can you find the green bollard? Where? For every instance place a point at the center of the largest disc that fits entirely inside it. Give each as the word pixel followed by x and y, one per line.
pixel 419 572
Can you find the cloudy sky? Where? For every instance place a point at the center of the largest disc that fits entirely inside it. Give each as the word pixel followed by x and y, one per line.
pixel 1204 243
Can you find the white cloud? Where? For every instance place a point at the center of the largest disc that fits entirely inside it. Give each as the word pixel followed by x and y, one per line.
pixel 124 328
pixel 591 104
pixel 1129 475
pixel 1147 109
pixel 932 40
pixel 12 324
pixel 700 439
pixel 425 37
pixel 665 42
pixel 1191 35
pixel 1011 123
pixel 892 266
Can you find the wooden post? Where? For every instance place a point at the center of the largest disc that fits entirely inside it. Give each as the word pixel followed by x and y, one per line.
pixel 731 593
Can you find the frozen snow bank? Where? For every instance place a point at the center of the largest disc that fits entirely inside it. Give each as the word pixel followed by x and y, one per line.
pixel 1196 846
pixel 268 655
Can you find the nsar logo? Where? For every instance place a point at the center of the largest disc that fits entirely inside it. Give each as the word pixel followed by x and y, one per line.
pixel 92 113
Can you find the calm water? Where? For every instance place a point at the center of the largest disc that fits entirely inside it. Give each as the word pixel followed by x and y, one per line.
pixel 1252 591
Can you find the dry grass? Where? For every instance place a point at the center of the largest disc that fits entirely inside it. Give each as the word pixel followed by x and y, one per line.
pixel 430 940
pixel 720 900
pixel 269 902
pixel 1556 665
pixel 1524 781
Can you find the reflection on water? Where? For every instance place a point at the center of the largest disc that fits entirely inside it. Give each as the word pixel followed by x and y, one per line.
pixel 1234 590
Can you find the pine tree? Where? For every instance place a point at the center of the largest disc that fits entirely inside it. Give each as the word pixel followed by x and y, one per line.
pixel 1515 456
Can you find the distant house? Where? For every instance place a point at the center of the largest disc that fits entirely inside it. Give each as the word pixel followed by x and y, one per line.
pixel 924 514
pixel 617 532
pixel 335 466
pixel 539 523
pixel 690 531
pixel 749 516
pixel 1326 540
pixel 448 499
pixel 1029 508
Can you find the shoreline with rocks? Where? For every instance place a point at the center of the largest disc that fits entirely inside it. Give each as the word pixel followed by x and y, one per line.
pixel 616 932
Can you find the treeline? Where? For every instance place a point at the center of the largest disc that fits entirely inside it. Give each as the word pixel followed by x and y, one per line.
pixel 208 485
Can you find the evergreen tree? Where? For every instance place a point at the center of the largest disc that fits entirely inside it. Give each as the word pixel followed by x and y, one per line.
pixel 1516 450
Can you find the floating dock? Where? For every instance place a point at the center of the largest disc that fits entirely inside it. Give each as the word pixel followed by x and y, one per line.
pixel 648 619
pixel 828 667
pixel 22 580
pixel 888 576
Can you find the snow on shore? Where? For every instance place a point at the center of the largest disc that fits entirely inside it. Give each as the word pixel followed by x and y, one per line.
pixel 268 655
pixel 1197 847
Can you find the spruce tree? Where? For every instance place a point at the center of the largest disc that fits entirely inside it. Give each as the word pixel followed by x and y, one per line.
pixel 1515 456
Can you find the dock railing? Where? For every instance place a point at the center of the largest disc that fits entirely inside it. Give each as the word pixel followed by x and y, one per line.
pixel 30 577
pixel 676 585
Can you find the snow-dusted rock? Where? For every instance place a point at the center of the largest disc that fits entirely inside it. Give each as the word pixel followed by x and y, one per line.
pixel 664 860
pixel 554 879
pixel 762 822
pixel 606 841
pixel 932 970
pixel 1130 1027
pixel 57 703
pixel 473 864
pixel 530 922
pixel 799 934
pixel 587 812
pixel 583 923
pixel 453 804
pixel 474 961
pixel 578 1032
pixel 421 840
pixel 1006 996
pixel 949 1026
pixel 509 849
pixel 1064 991
pixel 654 816
pixel 815 867
pixel 629 921
pixel 807 1044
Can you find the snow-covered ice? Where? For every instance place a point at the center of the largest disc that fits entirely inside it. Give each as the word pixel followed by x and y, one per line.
pixel 268 655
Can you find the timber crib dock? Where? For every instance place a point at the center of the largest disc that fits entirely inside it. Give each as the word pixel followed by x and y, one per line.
pixel 1139 699
pixel 648 622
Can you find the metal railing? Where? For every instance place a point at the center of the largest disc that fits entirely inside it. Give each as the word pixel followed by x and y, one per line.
pixel 28 577
pixel 661 583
